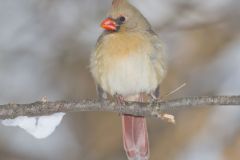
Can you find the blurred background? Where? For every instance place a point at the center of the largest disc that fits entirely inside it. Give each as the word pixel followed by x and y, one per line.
pixel 44 51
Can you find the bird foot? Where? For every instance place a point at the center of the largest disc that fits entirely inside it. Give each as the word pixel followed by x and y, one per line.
pixel 154 98
pixel 141 97
pixel 119 99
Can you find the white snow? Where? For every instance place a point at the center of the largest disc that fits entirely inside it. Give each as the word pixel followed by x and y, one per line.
pixel 39 127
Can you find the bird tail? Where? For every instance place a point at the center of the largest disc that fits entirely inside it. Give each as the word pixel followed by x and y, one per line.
pixel 135 137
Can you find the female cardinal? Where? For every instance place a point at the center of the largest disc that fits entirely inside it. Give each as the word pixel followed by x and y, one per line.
pixel 129 63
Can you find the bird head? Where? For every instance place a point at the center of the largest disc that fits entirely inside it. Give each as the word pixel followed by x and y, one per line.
pixel 124 17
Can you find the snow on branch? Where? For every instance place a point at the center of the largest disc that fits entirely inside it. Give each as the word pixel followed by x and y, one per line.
pixel 153 109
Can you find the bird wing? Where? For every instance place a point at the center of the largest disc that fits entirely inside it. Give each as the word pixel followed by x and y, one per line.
pixel 158 56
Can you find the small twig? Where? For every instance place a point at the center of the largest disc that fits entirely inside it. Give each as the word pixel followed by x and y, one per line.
pixel 174 91
pixel 133 108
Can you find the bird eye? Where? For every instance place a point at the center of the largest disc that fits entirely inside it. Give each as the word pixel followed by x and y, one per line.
pixel 122 19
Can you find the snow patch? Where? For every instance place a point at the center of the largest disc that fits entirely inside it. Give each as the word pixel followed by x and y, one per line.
pixel 39 127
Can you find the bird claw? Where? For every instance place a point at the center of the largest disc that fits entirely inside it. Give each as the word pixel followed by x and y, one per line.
pixel 120 99
pixel 154 98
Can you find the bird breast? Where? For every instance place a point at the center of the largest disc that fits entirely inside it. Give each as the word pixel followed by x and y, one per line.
pixel 121 64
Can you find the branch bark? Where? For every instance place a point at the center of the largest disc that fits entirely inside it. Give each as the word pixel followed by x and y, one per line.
pixel 153 109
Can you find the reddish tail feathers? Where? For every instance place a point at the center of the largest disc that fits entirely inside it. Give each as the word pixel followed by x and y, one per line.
pixel 135 137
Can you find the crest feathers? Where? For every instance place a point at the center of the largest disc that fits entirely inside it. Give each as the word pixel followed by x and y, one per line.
pixel 116 3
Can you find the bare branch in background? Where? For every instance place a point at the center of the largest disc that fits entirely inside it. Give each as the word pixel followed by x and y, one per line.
pixel 153 109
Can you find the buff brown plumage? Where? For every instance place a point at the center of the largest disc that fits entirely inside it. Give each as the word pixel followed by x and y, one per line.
pixel 129 60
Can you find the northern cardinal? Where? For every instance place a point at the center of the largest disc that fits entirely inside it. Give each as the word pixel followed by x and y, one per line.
pixel 129 63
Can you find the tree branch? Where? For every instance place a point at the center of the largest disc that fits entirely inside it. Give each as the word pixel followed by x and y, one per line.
pixel 153 109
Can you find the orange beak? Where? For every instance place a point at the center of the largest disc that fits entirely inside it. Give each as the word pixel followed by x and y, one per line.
pixel 109 24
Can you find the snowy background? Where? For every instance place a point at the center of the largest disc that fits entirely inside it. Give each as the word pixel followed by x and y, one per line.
pixel 44 51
